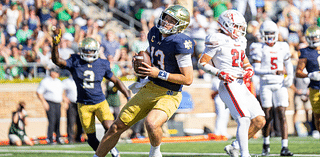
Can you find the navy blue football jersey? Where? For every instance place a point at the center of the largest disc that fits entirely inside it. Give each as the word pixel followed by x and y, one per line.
pixel 312 65
pixel 163 54
pixel 88 78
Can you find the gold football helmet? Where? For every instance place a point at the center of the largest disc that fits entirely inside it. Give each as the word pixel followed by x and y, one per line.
pixel 313 36
pixel 88 45
pixel 179 13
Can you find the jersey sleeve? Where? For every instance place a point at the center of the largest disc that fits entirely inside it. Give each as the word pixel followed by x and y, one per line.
pixel 303 53
pixel 286 50
pixel 255 51
pixel 212 44
pixel 184 45
pixel 108 74
pixel 70 61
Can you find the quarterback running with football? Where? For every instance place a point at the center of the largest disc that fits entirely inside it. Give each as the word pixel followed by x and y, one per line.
pixel 268 57
pixel 310 59
pixel 170 52
pixel 226 51
pixel 88 71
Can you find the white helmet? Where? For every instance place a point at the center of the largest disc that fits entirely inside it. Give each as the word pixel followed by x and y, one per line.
pixel 269 32
pixel 89 44
pixel 231 20
pixel 313 36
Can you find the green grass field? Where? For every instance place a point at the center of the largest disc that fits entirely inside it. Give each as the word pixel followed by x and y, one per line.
pixel 306 146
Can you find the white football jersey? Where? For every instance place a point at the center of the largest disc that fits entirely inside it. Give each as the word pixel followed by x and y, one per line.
pixel 272 58
pixel 227 53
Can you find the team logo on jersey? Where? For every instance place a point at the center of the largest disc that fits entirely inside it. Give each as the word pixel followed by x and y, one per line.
pixel 152 38
pixel 89 66
pixel 187 44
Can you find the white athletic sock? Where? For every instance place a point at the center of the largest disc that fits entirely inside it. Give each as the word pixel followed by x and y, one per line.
pixel 284 142
pixel 266 140
pixel 242 135
pixel 155 151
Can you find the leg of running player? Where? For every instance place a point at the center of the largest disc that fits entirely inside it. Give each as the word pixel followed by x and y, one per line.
pixel 154 121
pixel 266 128
pixel 283 122
pixel 256 124
pixel 106 124
pixel 110 139
pixel 266 131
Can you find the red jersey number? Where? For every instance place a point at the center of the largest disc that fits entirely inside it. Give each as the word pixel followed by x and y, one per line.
pixel 237 58
pixel 273 63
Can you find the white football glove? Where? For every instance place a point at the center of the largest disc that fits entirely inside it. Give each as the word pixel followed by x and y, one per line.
pixel 315 76
pixel 288 81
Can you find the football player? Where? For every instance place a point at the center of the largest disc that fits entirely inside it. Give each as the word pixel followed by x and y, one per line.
pixel 269 58
pixel 170 52
pixel 88 70
pixel 226 50
pixel 309 59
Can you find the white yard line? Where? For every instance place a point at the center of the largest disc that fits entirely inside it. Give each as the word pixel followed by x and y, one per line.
pixel 136 153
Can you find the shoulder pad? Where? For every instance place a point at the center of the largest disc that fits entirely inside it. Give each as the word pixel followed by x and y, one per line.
pixel 215 40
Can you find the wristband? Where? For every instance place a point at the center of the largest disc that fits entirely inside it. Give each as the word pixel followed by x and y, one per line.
pixel 163 75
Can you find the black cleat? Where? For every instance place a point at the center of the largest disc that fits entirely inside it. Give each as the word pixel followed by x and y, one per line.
pixel 285 152
pixel 266 150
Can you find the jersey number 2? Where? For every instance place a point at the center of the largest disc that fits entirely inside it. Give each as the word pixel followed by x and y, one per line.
pixel 237 58
pixel 88 82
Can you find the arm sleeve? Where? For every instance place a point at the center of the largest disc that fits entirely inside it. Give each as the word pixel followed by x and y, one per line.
pixel 289 67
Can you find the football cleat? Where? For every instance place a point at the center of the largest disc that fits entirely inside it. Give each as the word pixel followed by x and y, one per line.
pixel 265 150
pixel 285 152
pixel 114 152
pixel 231 151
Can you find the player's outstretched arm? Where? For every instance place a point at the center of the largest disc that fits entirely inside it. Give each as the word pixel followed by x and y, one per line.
pixel 119 84
pixel 55 53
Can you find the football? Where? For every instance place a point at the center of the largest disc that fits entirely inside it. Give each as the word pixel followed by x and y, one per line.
pixel 142 56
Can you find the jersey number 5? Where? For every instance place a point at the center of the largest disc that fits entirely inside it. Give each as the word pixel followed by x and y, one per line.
pixel 274 65
pixel 237 58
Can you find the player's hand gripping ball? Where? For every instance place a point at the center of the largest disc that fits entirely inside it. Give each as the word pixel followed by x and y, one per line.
pixel 142 56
